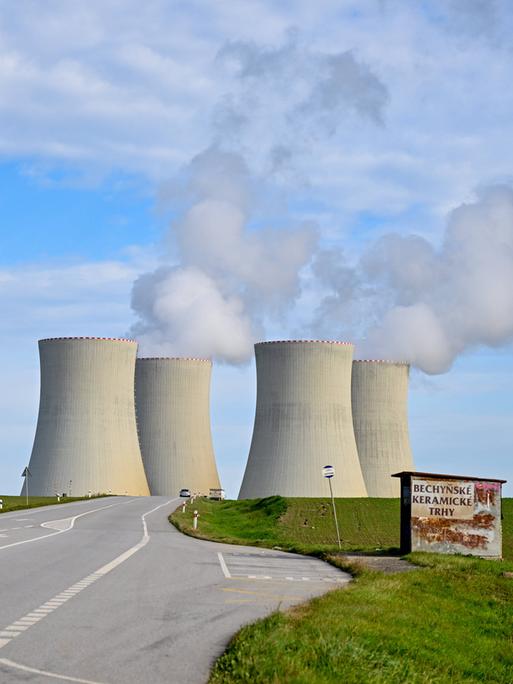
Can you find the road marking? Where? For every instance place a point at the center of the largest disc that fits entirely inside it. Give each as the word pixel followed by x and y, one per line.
pixel 60 531
pixel 18 627
pixel 52 604
pixel 224 567
pixel 261 594
pixel 45 673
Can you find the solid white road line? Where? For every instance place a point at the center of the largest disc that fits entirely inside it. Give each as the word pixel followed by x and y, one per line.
pixel 224 567
pixel 70 522
pixel 52 604
pixel 45 673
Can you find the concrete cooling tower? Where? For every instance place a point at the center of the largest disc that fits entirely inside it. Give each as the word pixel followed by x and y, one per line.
pixel 380 418
pixel 86 436
pixel 303 422
pixel 173 418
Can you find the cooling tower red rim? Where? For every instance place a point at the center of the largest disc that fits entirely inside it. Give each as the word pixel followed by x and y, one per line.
pixel 104 339
pixel 350 344
pixel 396 363
pixel 173 358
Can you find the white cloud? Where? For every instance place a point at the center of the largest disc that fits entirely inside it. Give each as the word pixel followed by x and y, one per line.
pixel 94 85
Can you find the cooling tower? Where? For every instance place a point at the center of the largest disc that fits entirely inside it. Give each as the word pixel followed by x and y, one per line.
pixel 380 418
pixel 86 436
pixel 173 417
pixel 303 422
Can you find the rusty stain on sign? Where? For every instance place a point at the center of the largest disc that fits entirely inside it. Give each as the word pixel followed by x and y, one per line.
pixel 450 514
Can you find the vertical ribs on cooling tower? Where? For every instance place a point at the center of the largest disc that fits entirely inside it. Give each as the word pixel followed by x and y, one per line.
pixel 380 417
pixel 303 422
pixel 86 435
pixel 173 419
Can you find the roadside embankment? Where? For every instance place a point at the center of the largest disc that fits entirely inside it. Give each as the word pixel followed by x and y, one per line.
pixel 449 623
pixel 296 524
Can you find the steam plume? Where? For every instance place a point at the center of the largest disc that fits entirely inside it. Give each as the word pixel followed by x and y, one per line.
pixel 229 276
pixel 412 301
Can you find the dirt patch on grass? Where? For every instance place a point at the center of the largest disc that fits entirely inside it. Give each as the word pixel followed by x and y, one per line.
pixel 387 564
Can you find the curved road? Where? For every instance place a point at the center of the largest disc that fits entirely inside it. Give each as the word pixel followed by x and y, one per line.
pixel 108 592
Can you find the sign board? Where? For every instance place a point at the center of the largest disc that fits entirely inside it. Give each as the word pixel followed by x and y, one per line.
pixel 328 471
pixel 439 499
pixel 451 514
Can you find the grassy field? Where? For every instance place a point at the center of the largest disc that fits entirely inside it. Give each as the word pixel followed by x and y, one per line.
pixel 17 503
pixel 449 622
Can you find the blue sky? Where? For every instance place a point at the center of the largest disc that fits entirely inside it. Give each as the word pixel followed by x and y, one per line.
pixel 259 155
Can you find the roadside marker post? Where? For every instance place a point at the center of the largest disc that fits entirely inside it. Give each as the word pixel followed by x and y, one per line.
pixel 329 471
pixel 195 520
pixel 1 504
pixel 183 507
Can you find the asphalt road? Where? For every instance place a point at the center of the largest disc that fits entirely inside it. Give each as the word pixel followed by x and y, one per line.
pixel 108 592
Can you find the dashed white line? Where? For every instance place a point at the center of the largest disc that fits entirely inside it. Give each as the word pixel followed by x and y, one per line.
pixel 32 618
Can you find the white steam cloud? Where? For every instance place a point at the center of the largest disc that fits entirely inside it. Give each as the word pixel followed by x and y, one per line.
pixel 411 301
pixel 231 276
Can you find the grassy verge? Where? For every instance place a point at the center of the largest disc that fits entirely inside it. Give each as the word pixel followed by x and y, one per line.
pixel 449 623
pixel 18 503
pixel 303 525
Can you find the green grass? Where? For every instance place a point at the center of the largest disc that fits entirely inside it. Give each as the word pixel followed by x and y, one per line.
pixel 18 503
pixel 451 622
pixel 507 528
pixel 304 525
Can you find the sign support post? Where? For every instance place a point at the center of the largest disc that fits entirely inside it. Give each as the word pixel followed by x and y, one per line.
pixel 328 472
pixel 26 474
